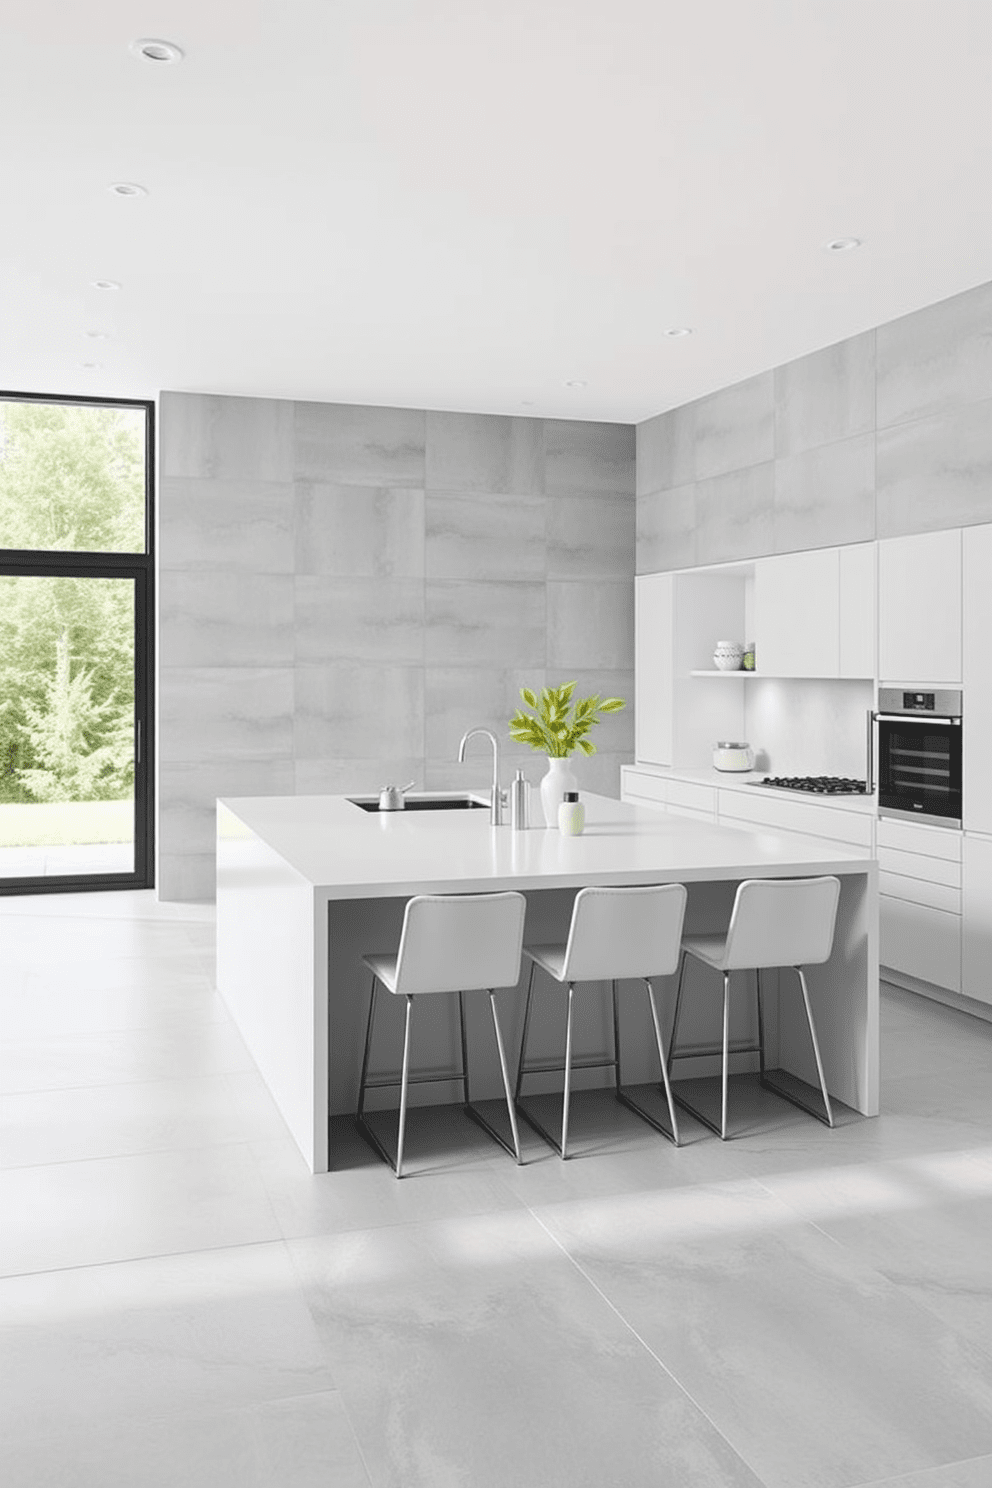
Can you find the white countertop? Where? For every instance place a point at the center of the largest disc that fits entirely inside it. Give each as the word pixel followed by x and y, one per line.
pixel 745 780
pixel 352 854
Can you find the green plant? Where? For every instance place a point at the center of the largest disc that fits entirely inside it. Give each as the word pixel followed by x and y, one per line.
pixel 555 727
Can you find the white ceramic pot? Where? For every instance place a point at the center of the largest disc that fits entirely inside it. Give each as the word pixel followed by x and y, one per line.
pixel 559 779
pixel 728 656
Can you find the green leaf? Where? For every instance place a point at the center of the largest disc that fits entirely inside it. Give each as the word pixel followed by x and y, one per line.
pixel 528 697
pixel 587 746
pixel 612 705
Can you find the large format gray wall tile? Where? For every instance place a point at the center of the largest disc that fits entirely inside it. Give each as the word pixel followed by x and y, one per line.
pixel 460 698
pixel 936 472
pixel 300 535
pixel 827 396
pixel 936 358
pixel 221 619
pixel 589 626
pixel 666 450
pixel 356 709
pixel 359 620
pixel 355 445
pixel 735 427
pixel 499 538
pixel 230 524
pixel 486 624
pixel 666 530
pixel 482 452
pixel 225 438
pixel 735 515
pixel 588 458
pixel 188 793
pixel 590 537
pixel 220 713
pixel 376 531
pixel 826 496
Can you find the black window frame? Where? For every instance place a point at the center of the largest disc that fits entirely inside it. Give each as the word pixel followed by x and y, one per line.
pixel 140 567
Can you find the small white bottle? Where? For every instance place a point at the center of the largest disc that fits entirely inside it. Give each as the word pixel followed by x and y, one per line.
pixel 571 815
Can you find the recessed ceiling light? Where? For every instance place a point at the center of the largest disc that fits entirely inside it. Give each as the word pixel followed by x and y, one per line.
pixel 679 331
pixel 105 284
pixel 152 49
pixel 843 245
pixel 576 383
pixel 128 188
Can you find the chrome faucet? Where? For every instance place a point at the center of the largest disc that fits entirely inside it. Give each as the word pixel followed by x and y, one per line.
pixel 496 804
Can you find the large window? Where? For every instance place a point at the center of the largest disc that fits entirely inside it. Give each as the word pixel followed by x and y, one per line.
pixel 75 644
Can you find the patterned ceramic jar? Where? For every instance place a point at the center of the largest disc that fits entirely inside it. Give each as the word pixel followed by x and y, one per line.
pixel 728 656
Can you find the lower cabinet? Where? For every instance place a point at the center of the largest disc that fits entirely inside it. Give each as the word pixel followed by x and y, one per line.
pixel 976 947
pixel 920 902
pixel 920 941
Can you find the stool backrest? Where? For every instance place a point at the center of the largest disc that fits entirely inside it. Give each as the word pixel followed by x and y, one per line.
pixel 460 942
pixel 782 922
pixel 624 932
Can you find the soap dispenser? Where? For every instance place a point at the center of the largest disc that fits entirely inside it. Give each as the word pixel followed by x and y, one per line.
pixel 520 803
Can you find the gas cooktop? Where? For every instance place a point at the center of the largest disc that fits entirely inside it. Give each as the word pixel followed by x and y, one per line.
pixel 818 785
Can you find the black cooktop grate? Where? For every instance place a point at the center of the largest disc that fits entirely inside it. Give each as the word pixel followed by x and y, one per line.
pixel 817 785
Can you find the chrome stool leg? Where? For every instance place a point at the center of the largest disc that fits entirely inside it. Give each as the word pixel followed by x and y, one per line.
pixel 725 1073
pixel 816 1046
pixel 472 1111
pixel 568 1072
pixel 506 1079
pixel 523 1041
pixel 678 1009
pixel 404 1085
pixel 770 1083
pixel 672 1132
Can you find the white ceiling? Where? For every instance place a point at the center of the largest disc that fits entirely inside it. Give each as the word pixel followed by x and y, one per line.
pixel 467 204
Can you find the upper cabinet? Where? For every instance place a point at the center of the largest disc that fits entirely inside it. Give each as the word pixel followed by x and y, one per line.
pixel 919 608
pixel 814 613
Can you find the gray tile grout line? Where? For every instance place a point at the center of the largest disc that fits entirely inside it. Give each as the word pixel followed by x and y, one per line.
pixel 644 1344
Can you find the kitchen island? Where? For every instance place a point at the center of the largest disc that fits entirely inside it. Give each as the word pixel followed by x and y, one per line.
pixel 307 884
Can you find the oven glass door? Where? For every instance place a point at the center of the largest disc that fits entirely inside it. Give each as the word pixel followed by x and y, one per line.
pixel 919 769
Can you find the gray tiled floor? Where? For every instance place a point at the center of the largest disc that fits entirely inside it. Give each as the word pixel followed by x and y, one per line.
pixel 183 1304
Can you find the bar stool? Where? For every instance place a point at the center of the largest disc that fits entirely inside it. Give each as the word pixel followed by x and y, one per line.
pixel 778 922
pixel 449 943
pixel 614 934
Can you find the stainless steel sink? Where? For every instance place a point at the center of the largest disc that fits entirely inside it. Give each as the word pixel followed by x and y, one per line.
pixel 450 801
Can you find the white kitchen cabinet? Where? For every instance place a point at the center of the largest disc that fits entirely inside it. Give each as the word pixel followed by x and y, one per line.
pixel 858 610
pixel 797 614
pixel 814 613
pixel 920 901
pixel 919 608
pixel 977 679
pixel 920 941
pixel 754 807
pixel 976 940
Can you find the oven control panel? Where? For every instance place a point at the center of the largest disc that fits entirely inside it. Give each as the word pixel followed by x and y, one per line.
pixel 914 702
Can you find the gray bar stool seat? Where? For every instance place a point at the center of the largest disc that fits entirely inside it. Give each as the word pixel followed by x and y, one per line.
pixel 775 923
pixel 615 934
pixel 450 943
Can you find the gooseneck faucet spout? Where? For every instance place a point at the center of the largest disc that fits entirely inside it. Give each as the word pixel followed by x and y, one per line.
pixel 496 804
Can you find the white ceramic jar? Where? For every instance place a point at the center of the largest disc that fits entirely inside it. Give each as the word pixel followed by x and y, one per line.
pixel 728 656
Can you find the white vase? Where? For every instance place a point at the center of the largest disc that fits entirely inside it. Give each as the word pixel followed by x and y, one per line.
pixel 559 779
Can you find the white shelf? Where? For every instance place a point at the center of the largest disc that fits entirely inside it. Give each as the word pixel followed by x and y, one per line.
pixel 714 673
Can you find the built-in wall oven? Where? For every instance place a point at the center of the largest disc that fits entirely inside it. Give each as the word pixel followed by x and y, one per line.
pixel 919 755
